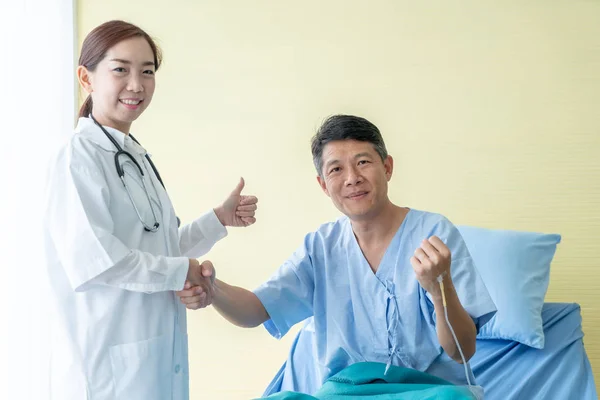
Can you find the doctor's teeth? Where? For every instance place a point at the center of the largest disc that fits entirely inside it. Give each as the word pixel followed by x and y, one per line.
pixel 131 102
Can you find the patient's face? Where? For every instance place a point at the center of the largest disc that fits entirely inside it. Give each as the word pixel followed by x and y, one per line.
pixel 355 177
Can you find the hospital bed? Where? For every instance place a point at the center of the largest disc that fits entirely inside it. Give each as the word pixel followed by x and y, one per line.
pixel 505 369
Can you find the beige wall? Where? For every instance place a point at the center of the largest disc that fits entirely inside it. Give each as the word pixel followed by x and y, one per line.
pixel 491 112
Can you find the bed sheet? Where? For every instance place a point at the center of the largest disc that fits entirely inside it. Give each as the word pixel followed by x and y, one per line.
pixel 561 370
pixel 506 369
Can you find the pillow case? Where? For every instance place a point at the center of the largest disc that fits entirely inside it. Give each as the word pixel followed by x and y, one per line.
pixel 515 267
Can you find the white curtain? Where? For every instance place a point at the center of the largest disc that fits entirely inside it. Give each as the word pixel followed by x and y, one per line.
pixel 37 111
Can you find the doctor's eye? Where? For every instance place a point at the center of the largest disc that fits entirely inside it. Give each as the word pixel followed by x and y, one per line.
pixel 149 72
pixel 363 162
pixel 334 169
pixel 120 69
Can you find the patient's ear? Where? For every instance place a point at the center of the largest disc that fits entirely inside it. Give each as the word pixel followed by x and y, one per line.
pixel 388 164
pixel 323 185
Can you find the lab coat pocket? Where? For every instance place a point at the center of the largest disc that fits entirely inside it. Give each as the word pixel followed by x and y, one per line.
pixel 142 370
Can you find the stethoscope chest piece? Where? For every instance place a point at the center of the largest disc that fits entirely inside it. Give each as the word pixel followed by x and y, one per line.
pixel 120 154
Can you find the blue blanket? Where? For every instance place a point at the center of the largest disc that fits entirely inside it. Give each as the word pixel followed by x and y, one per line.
pixel 367 381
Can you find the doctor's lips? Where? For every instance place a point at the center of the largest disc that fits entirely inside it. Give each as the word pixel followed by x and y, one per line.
pixel 131 103
pixel 357 195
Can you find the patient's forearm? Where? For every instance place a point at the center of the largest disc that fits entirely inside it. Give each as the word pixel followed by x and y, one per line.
pixel 239 306
pixel 461 322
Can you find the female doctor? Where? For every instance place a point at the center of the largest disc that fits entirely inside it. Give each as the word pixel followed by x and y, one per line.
pixel 116 256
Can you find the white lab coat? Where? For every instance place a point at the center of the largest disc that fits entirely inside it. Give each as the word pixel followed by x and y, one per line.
pixel 120 330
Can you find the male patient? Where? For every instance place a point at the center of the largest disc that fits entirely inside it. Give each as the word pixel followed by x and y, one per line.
pixel 369 279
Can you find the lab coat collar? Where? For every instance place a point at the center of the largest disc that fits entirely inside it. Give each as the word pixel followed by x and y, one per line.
pixel 88 128
pixel 132 145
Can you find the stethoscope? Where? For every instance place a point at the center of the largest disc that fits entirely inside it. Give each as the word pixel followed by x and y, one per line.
pixel 121 173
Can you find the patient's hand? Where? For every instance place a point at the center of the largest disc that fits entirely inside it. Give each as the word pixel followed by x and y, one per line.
pixel 198 291
pixel 431 260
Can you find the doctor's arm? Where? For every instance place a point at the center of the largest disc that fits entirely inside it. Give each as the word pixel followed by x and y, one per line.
pixel 80 224
pixel 238 210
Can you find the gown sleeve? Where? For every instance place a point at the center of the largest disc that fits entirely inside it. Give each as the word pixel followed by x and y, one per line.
pixel 288 294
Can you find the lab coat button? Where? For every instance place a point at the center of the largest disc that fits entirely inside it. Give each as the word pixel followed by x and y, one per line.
pixel 177 368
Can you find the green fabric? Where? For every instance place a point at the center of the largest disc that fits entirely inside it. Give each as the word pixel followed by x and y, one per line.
pixel 367 381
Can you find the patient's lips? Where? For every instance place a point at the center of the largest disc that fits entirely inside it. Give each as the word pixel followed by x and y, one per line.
pixel 357 195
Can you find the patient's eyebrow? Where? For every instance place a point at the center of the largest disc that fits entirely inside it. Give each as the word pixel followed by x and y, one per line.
pixel 331 162
pixel 359 155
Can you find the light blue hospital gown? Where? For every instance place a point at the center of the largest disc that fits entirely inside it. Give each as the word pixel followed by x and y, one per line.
pixel 359 316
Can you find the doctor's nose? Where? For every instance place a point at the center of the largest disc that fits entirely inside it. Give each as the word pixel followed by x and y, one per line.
pixel 135 84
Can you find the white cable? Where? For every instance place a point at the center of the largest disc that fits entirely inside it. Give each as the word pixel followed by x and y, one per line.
pixel 440 279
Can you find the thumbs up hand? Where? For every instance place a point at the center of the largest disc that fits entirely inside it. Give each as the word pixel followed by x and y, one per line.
pixel 237 210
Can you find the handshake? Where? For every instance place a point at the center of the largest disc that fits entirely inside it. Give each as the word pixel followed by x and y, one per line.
pixel 199 288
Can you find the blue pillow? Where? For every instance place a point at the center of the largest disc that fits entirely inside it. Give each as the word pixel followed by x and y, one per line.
pixel 515 267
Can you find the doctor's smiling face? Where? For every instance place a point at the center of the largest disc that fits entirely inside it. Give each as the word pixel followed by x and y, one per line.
pixel 117 68
pixel 353 165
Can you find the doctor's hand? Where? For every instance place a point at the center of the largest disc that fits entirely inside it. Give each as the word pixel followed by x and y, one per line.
pixel 199 287
pixel 237 210
pixel 431 260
